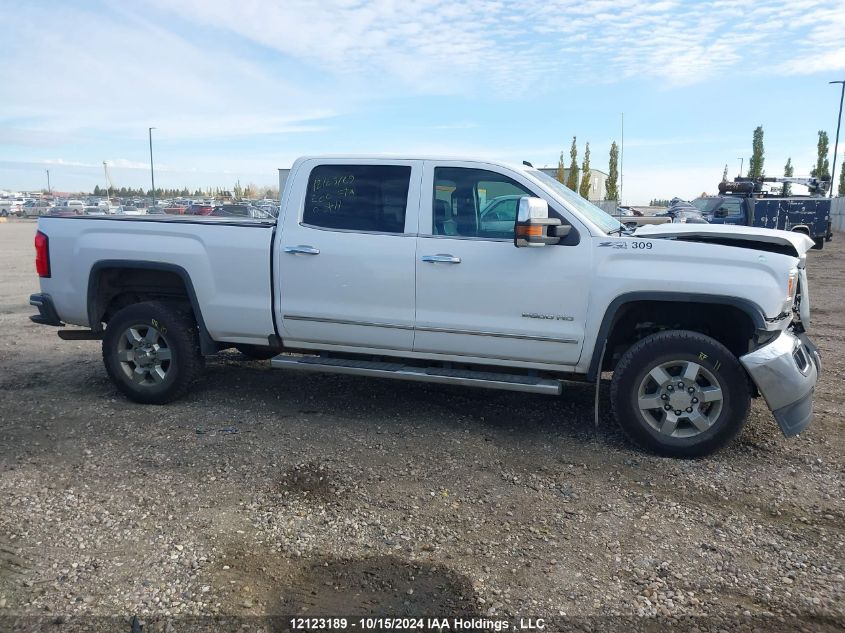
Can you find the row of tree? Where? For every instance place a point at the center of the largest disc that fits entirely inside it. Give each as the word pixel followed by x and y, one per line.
pixel 821 170
pixel 249 191
pixel 582 184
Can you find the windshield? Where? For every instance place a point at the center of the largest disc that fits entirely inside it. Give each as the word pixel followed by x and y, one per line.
pixel 706 205
pixel 587 208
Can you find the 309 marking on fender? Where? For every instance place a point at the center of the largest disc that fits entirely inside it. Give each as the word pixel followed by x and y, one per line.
pixel 642 245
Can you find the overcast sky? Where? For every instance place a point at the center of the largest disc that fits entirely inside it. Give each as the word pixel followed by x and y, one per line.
pixel 238 89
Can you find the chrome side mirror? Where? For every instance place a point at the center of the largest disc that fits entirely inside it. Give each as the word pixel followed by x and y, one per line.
pixel 533 226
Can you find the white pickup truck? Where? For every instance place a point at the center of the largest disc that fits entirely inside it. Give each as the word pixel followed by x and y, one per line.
pixel 403 268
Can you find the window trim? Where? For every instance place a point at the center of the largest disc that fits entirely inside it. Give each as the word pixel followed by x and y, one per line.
pixel 325 228
pixel 509 240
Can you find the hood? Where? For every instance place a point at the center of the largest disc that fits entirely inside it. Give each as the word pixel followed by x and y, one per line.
pixel 786 242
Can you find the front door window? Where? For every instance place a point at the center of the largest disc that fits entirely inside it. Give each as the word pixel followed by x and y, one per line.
pixel 475 203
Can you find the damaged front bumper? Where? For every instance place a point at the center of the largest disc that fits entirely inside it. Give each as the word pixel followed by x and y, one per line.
pixel 785 372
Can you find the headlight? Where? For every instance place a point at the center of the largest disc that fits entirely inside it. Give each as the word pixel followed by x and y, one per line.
pixel 792 285
pixel 791 289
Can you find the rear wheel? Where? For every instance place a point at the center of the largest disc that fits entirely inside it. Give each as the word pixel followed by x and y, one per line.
pixel 151 352
pixel 819 243
pixel 680 394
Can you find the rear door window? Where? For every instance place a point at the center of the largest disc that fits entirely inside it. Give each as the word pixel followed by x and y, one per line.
pixel 367 198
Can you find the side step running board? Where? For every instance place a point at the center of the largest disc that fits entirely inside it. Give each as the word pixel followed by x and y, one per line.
pixel 467 378
pixel 80 335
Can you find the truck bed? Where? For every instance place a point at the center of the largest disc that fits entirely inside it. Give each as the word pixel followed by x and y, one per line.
pixel 228 262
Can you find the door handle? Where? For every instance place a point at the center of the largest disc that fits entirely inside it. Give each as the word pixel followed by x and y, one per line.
pixel 441 258
pixel 301 249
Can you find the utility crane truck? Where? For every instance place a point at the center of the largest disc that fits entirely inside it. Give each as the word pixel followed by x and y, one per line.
pixel 744 202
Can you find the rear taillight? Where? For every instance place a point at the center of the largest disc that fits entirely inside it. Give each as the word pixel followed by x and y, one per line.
pixel 42 254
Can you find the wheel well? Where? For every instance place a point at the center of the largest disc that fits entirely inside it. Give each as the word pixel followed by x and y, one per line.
pixel 728 324
pixel 801 229
pixel 116 288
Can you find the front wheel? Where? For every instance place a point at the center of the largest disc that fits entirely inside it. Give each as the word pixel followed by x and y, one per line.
pixel 151 352
pixel 680 393
pixel 818 243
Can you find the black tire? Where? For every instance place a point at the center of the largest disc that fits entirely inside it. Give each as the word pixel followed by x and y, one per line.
pixel 257 352
pixel 819 243
pixel 172 330
pixel 718 368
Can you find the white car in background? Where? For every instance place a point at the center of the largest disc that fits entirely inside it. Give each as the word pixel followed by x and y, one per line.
pixel 108 206
pixel 75 205
pixel 130 210
pixel 11 206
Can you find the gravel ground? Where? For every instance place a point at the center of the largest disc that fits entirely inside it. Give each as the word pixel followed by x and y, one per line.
pixel 268 492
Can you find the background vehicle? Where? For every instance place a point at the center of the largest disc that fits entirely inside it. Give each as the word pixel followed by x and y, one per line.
pixel 62 210
pixel 74 205
pixel 9 207
pixel 633 220
pixel 271 209
pixel 385 268
pixel 743 202
pixel 240 211
pixel 690 216
pixel 500 214
pixel 199 209
pixel 35 208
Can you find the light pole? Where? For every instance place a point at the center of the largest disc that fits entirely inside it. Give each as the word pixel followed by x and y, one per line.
pixel 152 171
pixel 50 191
pixel 622 159
pixel 836 144
pixel 741 160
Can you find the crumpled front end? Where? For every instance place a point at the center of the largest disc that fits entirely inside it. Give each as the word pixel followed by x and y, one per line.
pixel 785 372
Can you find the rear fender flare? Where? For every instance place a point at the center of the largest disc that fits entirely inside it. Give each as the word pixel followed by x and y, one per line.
pixel 207 344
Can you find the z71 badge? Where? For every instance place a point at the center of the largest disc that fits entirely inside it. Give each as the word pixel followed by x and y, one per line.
pixel 637 244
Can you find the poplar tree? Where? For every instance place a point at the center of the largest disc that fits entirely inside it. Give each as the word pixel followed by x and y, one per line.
pixel 561 170
pixel 584 189
pixel 755 164
pixel 611 185
pixel 841 191
pixel 822 168
pixel 572 179
pixel 788 171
